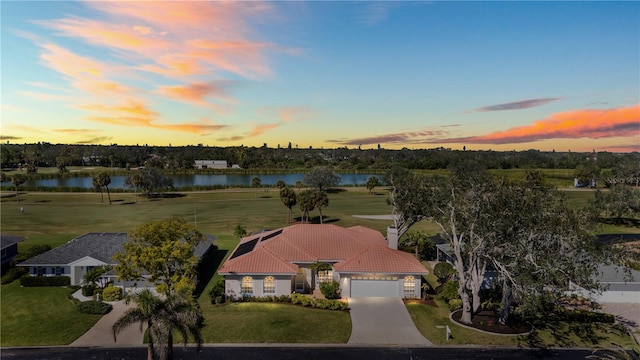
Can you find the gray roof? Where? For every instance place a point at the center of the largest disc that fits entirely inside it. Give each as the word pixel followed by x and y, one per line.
pixel 100 246
pixel 8 240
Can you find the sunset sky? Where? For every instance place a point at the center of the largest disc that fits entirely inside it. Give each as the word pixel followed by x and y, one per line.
pixel 484 75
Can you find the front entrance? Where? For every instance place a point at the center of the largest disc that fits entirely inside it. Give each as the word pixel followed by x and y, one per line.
pixel 301 281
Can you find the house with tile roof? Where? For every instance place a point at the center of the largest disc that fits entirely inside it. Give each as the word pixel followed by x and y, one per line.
pixel 85 252
pixel 279 262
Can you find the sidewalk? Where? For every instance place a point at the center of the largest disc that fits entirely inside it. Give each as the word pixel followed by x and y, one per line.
pixel 101 334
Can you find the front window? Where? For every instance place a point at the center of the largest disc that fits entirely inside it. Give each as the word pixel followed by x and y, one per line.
pixel 325 276
pixel 247 285
pixel 409 285
pixel 269 285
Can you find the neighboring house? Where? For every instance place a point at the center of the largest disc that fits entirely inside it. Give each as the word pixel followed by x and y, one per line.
pixel 79 255
pixel 617 285
pixel 9 245
pixel 210 164
pixel 279 262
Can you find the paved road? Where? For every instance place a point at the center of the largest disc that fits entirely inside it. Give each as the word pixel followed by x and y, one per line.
pixel 296 352
pixel 382 321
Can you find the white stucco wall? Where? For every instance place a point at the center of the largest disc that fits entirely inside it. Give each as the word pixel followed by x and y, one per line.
pixel 233 285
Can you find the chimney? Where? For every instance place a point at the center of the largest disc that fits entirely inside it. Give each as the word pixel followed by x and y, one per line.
pixel 392 237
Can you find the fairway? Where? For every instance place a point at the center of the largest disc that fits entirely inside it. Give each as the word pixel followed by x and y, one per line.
pixel 55 218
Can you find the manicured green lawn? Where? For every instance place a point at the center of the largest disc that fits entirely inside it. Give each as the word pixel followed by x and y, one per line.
pixel 40 316
pixel 274 323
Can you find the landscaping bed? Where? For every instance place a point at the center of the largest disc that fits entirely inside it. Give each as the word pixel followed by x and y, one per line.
pixel 488 321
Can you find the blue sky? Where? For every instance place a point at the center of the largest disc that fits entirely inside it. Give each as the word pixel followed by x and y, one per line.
pixel 484 75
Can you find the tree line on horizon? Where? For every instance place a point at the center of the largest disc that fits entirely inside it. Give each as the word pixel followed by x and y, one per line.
pixel 33 156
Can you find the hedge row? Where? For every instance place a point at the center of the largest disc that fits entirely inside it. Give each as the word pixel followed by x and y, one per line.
pixel 13 274
pixel 299 299
pixel 278 299
pixel 36 281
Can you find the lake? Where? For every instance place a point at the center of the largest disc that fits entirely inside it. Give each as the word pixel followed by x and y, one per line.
pixel 184 180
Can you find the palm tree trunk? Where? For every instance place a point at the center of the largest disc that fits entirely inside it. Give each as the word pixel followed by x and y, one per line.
pixel 101 195
pixel 320 209
pixel 17 198
pixel 109 194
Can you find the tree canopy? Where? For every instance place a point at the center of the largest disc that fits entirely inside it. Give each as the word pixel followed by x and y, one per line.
pixel 163 251
pixel 321 178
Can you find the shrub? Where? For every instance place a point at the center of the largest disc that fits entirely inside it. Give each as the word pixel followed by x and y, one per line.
pixel 455 304
pixel 443 271
pixel 87 290
pixel 490 305
pixel 217 289
pixel 35 250
pixel 36 281
pixel 449 291
pixel 94 307
pixel 112 293
pixel 330 290
pixel 13 274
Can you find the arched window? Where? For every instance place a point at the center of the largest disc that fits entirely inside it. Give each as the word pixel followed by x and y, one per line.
pixel 247 285
pixel 409 285
pixel 269 286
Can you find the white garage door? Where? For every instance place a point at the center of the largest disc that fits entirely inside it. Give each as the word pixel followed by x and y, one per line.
pixel 375 288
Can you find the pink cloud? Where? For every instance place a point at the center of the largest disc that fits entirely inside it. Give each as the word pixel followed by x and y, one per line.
pixel 196 92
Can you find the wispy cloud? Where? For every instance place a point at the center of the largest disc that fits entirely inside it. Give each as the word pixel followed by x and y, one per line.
pixel 286 114
pixel 375 12
pixel 28 129
pixel 9 137
pixel 402 138
pixel 198 92
pixel 76 131
pixel 592 124
pixel 517 105
pixel 95 140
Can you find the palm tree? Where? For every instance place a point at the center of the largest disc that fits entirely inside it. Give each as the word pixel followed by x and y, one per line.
pixel 307 204
pixel 96 185
pixel 134 180
pixel 299 185
pixel 17 180
pixel 281 184
pixel 321 200
pixel 104 180
pixel 175 313
pixel 255 183
pixel 289 199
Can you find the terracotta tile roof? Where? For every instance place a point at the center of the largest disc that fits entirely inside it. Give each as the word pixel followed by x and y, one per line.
pixel 381 260
pixel 352 249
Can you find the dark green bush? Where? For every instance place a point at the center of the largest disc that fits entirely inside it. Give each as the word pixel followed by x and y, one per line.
pixel 13 274
pixel 449 291
pixel 455 304
pixel 31 252
pixel 217 289
pixel 330 290
pixel 94 307
pixel 87 290
pixel 443 271
pixel 36 281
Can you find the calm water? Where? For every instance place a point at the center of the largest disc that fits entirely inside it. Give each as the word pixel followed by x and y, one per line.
pixel 117 182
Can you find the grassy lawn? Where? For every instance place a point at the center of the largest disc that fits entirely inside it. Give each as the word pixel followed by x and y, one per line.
pixel 40 316
pixel 274 323
pixel 44 316
pixel 430 321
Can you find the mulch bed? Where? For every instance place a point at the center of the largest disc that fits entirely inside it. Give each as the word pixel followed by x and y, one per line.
pixel 488 321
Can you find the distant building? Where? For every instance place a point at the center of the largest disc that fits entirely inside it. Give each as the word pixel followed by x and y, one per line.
pixel 210 164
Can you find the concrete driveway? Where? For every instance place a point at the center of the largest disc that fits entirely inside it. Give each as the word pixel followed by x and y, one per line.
pixel 102 335
pixel 382 321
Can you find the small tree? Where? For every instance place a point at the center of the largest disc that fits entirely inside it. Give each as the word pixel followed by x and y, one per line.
pixel 240 231
pixel 320 200
pixel 256 183
pixel 622 200
pixel 372 182
pixel 321 177
pixel 17 180
pixel 94 277
pixel 134 181
pixel 307 203
pixel 95 181
pixel 289 199
pixel 299 185
pixel 280 184
pixel 422 244
pixel 104 179
pixel 444 272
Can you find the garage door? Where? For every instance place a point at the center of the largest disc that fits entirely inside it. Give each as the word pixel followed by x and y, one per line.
pixel 375 288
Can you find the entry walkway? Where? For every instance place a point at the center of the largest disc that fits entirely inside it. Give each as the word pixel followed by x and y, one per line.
pixel 101 334
pixel 383 321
